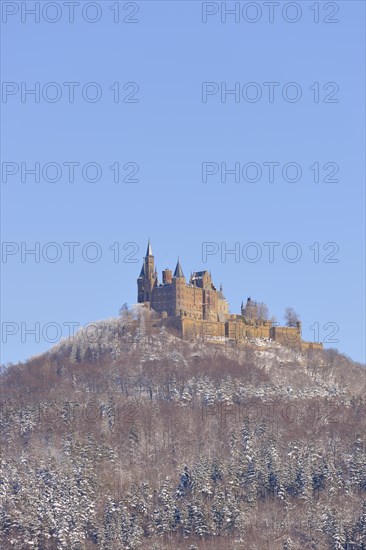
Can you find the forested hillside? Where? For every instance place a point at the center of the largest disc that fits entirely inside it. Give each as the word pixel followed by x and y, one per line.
pixel 128 438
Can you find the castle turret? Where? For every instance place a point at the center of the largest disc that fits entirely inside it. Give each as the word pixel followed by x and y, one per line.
pixel 178 273
pixel 148 278
pixel 250 311
pixel 149 262
pixel 179 284
pixel 167 276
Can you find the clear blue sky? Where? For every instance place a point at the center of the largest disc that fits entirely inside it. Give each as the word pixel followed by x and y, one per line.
pixel 169 133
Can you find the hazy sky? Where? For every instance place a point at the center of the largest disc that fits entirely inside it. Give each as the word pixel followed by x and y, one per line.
pixel 145 89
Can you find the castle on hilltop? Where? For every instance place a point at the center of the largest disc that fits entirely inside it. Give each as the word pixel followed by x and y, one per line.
pixel 196 309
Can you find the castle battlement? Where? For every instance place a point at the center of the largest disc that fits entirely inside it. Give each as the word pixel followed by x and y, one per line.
pixel 197 309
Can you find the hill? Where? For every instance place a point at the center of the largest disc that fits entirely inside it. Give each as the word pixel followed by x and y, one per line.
pixel 126 437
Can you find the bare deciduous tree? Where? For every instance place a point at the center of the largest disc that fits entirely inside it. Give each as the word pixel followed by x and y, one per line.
pixel 262 312
pixel 291 317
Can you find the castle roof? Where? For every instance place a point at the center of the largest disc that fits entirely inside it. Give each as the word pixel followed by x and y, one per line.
pixel 149 249
pixel 142 273
pixel 178 270
pixel 220 295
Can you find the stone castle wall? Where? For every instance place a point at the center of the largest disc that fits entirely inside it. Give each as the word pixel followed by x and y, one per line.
pixel 237 331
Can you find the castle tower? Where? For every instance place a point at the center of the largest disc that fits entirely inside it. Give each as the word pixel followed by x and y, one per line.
pixel 179 285
pixel 148 277
pixel 167 276
pixel 250 311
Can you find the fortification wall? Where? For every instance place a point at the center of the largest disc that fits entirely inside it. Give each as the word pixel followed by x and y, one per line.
pixel 287 336
pixel 311 345
pixel 216 331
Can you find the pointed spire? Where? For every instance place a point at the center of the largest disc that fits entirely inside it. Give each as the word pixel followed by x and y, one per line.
pixel 142 273
pixel 149 249
pixel 178 271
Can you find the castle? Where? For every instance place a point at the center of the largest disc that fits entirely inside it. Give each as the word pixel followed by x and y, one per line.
pixel 196 309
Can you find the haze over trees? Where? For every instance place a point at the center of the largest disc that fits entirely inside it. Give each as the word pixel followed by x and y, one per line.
pixel 128 438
